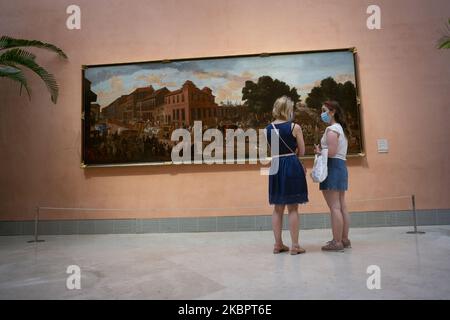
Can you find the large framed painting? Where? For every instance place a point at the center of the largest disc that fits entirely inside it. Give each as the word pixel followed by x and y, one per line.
pixel 131 110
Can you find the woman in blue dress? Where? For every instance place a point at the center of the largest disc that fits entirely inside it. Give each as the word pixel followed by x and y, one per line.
pixel 287 181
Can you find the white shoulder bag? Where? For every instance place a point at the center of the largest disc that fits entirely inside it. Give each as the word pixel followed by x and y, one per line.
pixel 320 169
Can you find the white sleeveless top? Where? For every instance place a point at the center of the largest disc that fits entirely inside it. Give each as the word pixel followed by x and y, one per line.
pixel 342 141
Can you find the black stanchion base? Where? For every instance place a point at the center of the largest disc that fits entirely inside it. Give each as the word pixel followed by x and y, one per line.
pixel 31 241
pixel 416 232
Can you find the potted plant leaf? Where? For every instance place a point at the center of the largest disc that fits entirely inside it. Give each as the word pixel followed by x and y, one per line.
pixel 13 57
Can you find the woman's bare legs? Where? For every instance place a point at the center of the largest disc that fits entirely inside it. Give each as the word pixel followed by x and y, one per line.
pixel 337 220
pixel 345 216
pixel 277 224
pixel 293 223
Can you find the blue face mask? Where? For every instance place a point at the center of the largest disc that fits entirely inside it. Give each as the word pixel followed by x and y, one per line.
pixel 325 117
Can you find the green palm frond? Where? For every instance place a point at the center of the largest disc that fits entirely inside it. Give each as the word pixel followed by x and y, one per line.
pixel 14 57
pixel 444 42
pixel 8 43
pixel 17 75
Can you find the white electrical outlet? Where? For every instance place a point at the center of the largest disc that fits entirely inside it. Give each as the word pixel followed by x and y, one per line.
pixel 383 146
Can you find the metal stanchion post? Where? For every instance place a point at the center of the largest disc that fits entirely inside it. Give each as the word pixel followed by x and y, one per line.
pixel 36 223
pixel 413 199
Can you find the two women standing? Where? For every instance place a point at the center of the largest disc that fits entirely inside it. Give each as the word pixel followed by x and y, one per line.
pixel 287 183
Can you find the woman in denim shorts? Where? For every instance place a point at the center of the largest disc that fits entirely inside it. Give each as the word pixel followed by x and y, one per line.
pixel 336 184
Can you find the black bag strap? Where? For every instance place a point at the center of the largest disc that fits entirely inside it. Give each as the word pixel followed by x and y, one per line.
pixel 282 139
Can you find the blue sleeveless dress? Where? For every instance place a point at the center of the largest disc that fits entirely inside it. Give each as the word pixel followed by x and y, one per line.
pixel 287 185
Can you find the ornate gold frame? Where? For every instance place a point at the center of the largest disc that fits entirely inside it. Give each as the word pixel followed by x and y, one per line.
pixel 262 55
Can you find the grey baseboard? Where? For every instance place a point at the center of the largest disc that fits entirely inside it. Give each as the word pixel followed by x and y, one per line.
pixel 218 224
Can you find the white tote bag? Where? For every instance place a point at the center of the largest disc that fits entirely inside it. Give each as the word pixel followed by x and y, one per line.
pixel 320 169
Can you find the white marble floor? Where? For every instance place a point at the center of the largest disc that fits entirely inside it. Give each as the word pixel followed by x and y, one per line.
pixel 227 265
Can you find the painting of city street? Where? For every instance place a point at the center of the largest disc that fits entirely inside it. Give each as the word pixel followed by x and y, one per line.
pixel 131 109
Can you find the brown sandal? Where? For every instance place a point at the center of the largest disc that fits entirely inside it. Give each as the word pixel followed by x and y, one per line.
pixel 333 246
pixel 347 244
pixel 297 250
pixel 277 249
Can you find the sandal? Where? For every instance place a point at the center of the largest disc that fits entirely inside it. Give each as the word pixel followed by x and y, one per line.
pixel 333 246
pixel 278 249
pixel 346 243
pixel 297 250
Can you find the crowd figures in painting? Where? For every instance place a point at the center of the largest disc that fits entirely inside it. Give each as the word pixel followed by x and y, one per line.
pixel 130 110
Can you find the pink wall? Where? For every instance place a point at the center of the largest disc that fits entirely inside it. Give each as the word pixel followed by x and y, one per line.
pixel 404 83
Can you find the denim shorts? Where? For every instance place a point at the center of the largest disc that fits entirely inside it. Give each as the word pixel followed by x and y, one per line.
pixel 337 178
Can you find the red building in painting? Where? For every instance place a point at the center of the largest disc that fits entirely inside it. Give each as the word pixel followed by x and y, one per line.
pixel 187 104
pixel 179 108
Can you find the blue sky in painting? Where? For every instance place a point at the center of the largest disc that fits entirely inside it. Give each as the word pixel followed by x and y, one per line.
pixel 225 76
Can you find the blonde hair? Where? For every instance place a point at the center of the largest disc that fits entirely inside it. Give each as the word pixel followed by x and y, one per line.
pixel 283 108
